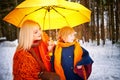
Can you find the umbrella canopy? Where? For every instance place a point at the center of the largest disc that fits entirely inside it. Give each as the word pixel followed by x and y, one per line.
pixel 50 14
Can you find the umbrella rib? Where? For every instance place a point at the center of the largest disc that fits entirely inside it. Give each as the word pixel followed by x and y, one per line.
pixel 44 20
pixel 61 15
pixel 67 8
pixel 34 11
pixel 29 14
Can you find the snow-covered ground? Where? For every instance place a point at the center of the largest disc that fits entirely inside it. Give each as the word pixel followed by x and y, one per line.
pixel 106 58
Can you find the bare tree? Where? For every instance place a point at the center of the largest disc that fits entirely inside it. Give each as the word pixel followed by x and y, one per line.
pixel 102 22
pixel 97 17
pixel 117 11
pixel 92 25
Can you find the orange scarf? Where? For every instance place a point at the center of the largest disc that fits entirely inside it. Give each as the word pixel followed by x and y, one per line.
pixel 44 55
pixel 57 61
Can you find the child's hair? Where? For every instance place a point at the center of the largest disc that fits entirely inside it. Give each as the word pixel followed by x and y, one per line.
pixel 64 32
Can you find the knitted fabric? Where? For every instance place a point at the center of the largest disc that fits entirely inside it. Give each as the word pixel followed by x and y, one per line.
pixel 25 66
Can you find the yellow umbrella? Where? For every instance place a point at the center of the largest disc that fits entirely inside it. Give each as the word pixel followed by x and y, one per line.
pixel 50 14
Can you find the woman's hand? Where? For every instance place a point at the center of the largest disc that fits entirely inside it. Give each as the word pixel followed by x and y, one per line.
pixel 42 66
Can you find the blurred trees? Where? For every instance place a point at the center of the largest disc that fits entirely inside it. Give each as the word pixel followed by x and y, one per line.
pixel 8 30
pixel 105 21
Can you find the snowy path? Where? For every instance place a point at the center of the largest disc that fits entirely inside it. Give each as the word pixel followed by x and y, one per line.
pixel 106 60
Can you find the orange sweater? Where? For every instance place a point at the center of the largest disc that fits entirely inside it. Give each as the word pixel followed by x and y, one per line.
pixel 25 67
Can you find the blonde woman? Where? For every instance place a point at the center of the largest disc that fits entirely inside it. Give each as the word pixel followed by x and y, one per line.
pixel 70 60
pixel 25 66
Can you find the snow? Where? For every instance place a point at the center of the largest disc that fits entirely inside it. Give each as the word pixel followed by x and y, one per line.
pixel 106 58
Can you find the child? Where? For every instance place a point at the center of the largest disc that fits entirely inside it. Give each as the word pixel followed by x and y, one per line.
pixel 70 60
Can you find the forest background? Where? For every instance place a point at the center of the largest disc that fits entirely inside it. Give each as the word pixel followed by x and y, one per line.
pixel 105 21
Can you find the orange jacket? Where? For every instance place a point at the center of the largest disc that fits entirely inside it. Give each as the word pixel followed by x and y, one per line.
pixel 25 66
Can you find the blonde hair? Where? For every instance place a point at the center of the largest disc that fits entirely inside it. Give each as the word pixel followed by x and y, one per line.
pixel 64 32
pixel 26 34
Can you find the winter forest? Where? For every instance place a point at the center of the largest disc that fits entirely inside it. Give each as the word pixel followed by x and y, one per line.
pixel 104 24
pixel 100 36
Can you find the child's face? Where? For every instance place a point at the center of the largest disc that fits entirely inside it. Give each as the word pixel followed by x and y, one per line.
pixel 70 38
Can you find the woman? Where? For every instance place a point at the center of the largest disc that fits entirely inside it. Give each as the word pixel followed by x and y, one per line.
pixel 70 60
pixel 25 66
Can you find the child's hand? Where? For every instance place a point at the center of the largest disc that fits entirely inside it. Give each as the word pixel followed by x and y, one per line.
pixel 79 67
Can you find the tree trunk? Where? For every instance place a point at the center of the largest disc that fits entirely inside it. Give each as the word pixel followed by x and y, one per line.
pixel 86 28
pixel 109 23
pixel 92 26
pixel 98 37
pixel 117 11
pixel 112 23
pixel 102 23
pixel 1 35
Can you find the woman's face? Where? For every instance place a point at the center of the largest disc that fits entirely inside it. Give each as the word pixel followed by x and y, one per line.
pixel 37 33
